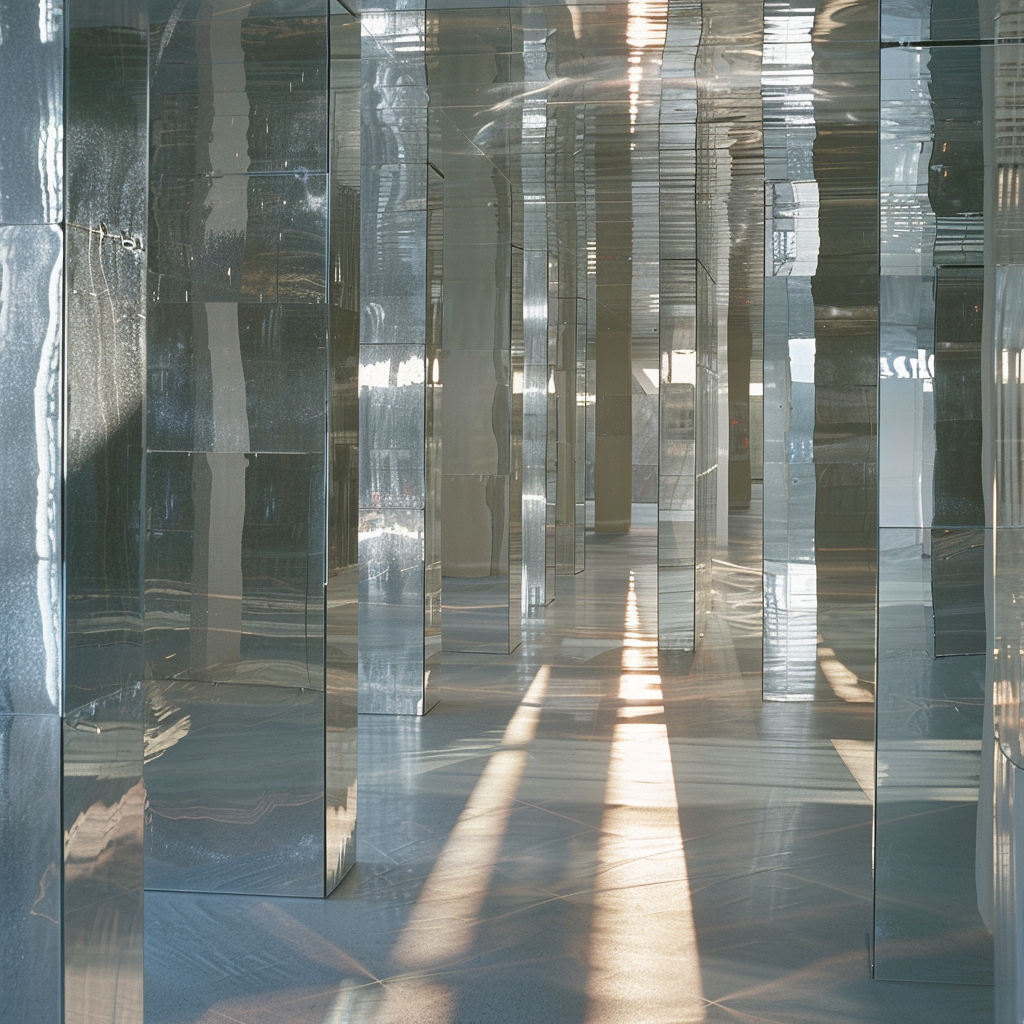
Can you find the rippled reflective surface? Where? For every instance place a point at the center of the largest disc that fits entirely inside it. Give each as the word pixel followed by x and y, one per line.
pixel 104 804
pixel 932 541
pixel 107 241
pixel 31 262
pixel 31 281
pixel 241 701
pixel 31 931
pixel 399 375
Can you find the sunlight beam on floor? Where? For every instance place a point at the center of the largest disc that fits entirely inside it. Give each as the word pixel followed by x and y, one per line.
pixel 644 963
pixel 443 923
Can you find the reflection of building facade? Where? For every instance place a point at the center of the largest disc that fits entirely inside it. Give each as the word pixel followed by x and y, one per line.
pixel 338 346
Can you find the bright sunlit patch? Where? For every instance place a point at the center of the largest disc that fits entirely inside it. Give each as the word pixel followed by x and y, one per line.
pixel 443 922
pixel 639 646
pixel 859 757
pixel 845 683
pixel 644 962
pixel 640 711
pixel 441 926
pixel 639 686
pixel 643 955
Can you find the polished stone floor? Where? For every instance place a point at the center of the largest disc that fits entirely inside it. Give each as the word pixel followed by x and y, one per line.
pixel 580 834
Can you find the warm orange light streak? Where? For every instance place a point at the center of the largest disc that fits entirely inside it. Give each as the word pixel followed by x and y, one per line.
pixel 640 686
pixel 644 963
pixel 639 648
pixel 442 925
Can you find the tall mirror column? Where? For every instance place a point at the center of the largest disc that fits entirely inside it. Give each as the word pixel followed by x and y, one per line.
pixel 399 375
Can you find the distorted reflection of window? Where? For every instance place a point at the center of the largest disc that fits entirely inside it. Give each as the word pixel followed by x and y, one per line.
pixel 801 360
pixel 410 371
pixel 683 368
pixel 375 375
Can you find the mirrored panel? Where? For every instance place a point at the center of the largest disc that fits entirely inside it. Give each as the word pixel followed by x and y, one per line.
pixel 342 561
pixel 537 313
pixel 790 488
pixel 227 564
pixel 104 820
pixel 231 376
pixel 1008 863
pixel 392 598
pixel 235 788
pixel 707 450
pixel 30 468
pixel 236 543
pixel 107 242
pixel 516 575
pixel 570 351
pixel 1004 288
pixel 265 244
pixel 32 69
pixel 930 712
pixel 914 20
pixel 821 348
pixel 677 330
pixel 392 389
pixel 932 541
pixel 400 372
pixel 31 927
pixel 677 455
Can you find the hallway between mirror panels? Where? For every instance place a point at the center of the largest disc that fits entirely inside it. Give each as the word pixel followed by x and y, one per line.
pixel 606 412
pixel 584 832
